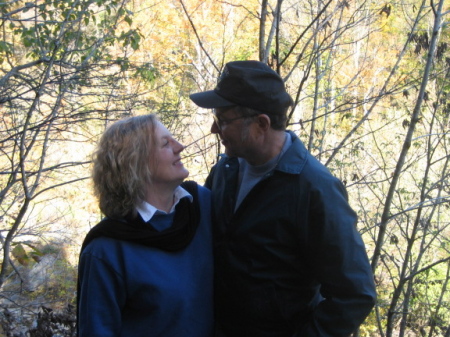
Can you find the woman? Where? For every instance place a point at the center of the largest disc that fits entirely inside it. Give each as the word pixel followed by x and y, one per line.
pixel 146 269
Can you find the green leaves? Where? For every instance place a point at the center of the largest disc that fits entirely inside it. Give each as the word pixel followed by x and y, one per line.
pixel 147 73
pixel 74 26
pixel 24 257
pixel 131 38
pixel 6 49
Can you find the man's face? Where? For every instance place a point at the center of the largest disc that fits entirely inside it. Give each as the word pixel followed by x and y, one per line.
pixel 234 131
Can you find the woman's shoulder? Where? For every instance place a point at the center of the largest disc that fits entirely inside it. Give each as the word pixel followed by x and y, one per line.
pixel 102 245
pixel 204 196
pixel 204 190
pixel 194 188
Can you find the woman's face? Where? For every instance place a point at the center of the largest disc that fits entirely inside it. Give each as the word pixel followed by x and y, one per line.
pixel 166 165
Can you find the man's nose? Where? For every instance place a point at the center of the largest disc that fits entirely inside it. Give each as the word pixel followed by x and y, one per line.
pixel 215 128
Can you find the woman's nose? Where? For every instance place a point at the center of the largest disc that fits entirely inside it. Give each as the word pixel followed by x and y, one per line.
pixel 178 147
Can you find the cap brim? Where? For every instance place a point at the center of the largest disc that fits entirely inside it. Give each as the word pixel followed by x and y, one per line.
pixel 210 100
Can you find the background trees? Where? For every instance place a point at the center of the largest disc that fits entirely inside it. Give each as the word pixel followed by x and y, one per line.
pixel 60 79
pixel 371 87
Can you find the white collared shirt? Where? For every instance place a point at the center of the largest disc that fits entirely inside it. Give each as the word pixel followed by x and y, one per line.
pixel 147 211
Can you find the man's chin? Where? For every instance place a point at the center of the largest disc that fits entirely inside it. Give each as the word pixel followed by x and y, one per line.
pixel 229 153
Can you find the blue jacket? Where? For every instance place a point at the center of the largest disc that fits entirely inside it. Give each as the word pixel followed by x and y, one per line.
pixel 289 261
pixel 131 290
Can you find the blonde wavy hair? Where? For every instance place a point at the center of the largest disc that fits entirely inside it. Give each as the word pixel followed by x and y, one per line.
pixel 121 172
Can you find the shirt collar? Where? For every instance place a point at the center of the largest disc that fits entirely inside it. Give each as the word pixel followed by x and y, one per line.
pixel 147 211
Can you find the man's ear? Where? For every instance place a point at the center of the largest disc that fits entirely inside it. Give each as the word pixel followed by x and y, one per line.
pixel 263 122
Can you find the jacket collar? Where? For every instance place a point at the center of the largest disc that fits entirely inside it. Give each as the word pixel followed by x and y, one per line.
pixel 295 158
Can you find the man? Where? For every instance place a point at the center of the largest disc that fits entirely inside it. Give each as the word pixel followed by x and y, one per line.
pixel 288 258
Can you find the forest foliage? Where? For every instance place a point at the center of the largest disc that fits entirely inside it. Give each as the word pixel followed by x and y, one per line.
pixel 371 85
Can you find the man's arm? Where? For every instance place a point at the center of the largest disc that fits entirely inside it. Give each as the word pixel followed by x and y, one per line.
pixel 340 264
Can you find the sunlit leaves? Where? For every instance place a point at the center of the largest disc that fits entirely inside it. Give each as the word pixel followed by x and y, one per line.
pixel 73 24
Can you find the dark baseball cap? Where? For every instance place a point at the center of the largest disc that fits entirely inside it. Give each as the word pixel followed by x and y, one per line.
pixel 251 84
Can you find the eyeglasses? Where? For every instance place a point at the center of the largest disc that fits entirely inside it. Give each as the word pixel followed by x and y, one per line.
pixel 221 122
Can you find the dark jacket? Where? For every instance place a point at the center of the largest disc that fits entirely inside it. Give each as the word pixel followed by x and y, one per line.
pixel 289 261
